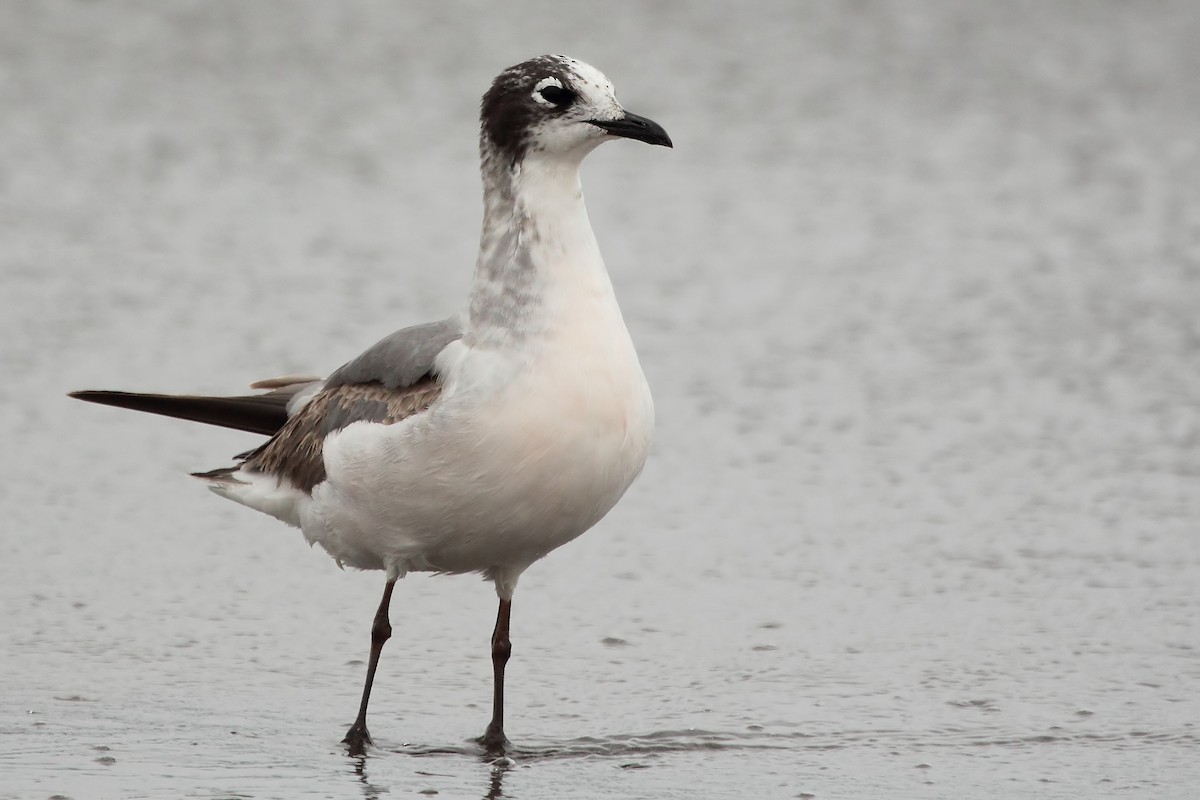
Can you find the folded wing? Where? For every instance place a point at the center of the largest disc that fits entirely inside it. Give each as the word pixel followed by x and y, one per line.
pixel 297 451
pixel 390 381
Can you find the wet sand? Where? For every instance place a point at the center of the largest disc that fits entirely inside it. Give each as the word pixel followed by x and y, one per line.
pixel 917 295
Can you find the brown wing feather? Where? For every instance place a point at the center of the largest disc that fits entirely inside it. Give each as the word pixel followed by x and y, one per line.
pixel 296 452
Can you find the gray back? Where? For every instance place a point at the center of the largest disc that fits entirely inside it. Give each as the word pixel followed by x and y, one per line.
pixel 399 359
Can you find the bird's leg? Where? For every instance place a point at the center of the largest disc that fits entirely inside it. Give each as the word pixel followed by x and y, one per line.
pixel 494 739
pixel 357 738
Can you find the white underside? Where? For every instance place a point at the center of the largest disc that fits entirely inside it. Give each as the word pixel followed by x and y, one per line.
pixel 534 438
pixel 514 460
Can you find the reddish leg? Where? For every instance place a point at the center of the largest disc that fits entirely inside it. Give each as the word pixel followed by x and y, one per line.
pixel 357 738
pixel 494 739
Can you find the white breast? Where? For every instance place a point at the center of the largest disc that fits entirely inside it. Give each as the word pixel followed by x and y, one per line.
pixel 522 454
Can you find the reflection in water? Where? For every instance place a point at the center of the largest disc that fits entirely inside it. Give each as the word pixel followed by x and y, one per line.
pixel 495 787
pixel 620 745
pixel 495 780
pixel 623 746
pixel 630 748
pixel 370 790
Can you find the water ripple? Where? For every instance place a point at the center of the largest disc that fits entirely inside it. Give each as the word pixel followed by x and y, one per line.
pixel 657 743
pixel 617 745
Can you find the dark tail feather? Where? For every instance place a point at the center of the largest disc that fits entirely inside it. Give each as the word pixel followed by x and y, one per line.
pixel 221 475
pixel 259 413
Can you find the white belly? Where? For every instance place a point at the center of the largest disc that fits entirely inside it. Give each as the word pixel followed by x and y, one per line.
pixel 498 473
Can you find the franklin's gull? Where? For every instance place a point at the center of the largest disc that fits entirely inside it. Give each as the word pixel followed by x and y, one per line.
pixel 484 441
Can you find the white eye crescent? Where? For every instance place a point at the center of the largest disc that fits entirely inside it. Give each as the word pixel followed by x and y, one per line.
pixel 550 92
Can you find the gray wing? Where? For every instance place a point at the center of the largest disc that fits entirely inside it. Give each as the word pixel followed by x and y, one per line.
pixel 401 359
pixel 392 380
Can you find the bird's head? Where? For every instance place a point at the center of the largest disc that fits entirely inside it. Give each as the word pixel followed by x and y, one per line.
pixel 557 107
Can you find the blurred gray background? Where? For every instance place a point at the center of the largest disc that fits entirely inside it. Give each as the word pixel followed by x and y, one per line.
pixel 918 294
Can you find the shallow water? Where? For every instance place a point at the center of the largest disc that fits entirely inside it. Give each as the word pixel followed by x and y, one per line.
pixel 917 294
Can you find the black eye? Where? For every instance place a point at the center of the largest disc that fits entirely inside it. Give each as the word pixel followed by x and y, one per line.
pixel 557 96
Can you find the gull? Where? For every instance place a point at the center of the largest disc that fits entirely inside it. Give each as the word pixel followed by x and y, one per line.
pixel 481 442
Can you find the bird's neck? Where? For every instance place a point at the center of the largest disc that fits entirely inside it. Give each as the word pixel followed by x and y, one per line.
pixel 538 258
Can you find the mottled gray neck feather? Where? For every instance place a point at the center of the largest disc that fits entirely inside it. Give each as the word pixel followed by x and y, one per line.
pixel 505 295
